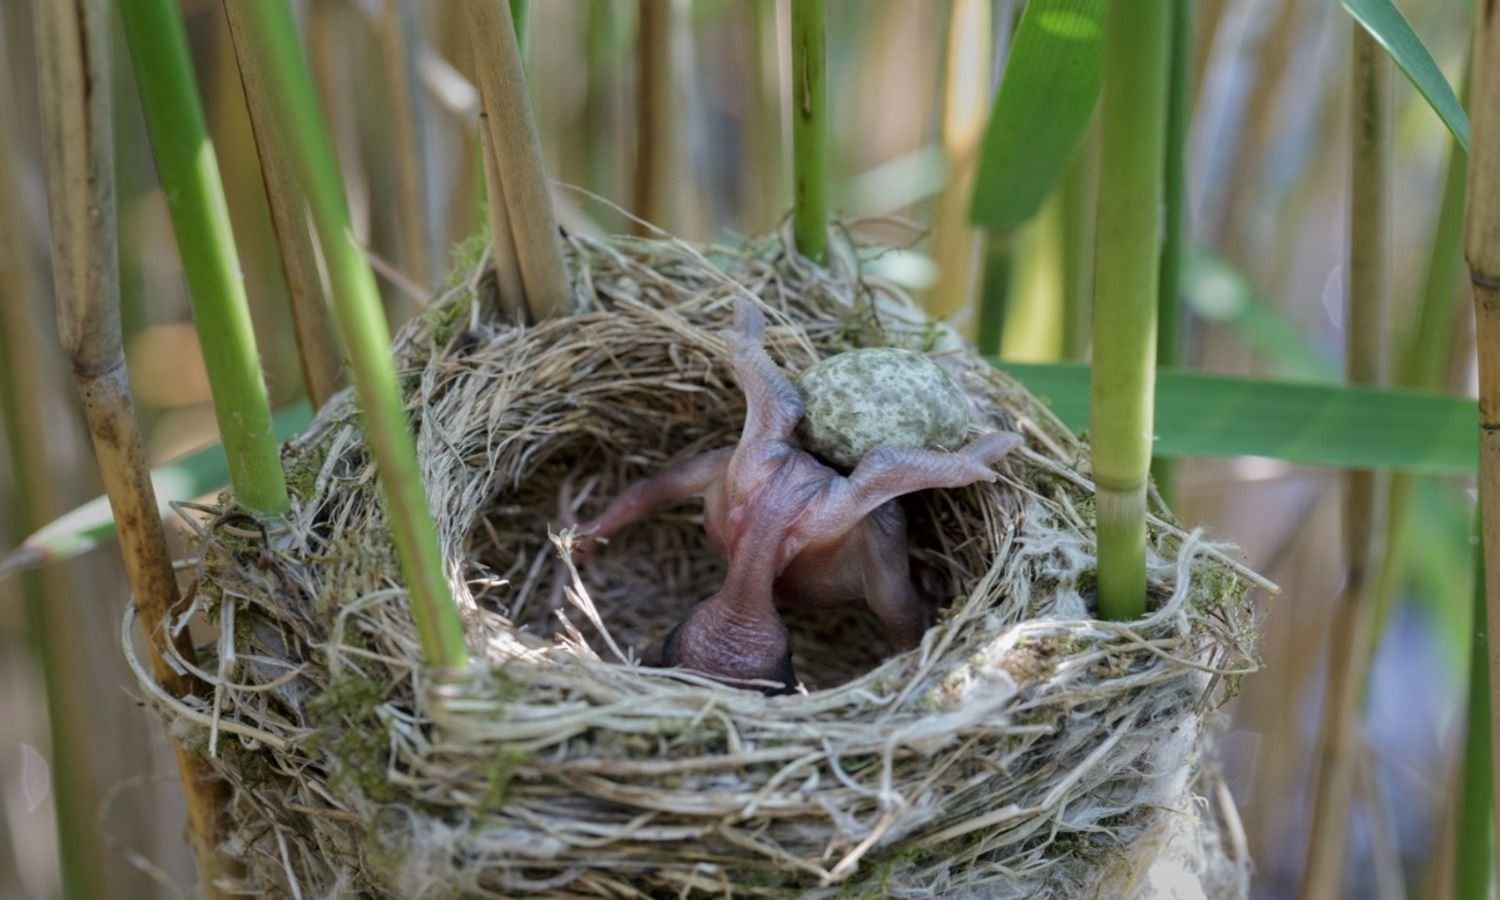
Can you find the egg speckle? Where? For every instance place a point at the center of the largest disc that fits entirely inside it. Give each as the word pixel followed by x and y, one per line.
pixel 863 399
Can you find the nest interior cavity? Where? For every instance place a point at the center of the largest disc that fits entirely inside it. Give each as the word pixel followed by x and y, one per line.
pixel 1025 749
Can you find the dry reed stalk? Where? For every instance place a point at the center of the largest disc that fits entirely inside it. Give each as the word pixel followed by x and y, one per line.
pixel 653 187
pixel 72 46
pixel 317 346
pixel 1364 500
pixel 1482 250
pixel 956 244
pixel 36 499
pixel 397 32
pixel 1209 17
pixel 518 158
pixel 763 191
pixel 502 240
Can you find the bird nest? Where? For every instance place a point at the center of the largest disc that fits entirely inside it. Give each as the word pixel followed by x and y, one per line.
pixel 1024 749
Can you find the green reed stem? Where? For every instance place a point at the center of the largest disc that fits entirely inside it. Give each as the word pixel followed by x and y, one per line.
pixel 1475 848
pixel 1174 230
pixel 272 36
pixel 809 129
pixel 1133 133
pixel 994 290
pixel 189 174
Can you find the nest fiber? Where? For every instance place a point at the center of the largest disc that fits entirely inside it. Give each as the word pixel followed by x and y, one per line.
pixel 1024 749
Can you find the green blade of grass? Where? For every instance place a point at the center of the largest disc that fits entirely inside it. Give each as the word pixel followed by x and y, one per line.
pixel 1045 101
pixel 1391 30
pixel 1301 422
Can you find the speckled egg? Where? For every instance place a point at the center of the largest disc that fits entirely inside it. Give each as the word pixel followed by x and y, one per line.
pixel 861 399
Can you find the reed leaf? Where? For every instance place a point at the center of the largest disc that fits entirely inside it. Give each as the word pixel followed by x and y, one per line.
pixel 1385 23
pixel 90 525
pixel 1046 99
pixel 1308 423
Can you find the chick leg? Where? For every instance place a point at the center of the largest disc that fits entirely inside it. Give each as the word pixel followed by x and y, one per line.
pixel 773 404
pixel 886 473
pixel 889 591
pixel 689 478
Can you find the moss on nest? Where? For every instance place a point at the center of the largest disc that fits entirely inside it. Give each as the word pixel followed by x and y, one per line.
pixel 1021 732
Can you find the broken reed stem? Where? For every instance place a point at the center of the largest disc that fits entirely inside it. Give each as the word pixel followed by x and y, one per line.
pixel 957 246
pixel 1474 849
pixel 189 175
pixel 1364 502
pixel 407 117
pixel 518 153
pixel 657 170
pixel 1133 134
pixel 809 130
pixel 1174 225
pixel 1482 250
pixel 317 345
pixel 73 62
pixel 271 35
pixel 34 501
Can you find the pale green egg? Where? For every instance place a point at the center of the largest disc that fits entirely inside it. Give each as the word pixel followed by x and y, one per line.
pixel 863 399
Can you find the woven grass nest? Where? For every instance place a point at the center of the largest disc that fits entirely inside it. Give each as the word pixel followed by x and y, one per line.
pixel 1025 749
